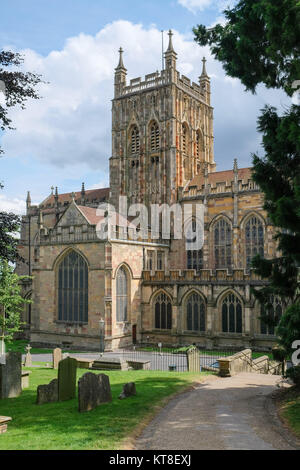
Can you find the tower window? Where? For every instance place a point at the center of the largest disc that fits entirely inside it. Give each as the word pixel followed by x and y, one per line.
pixel 135 140
pixel 154 137
pixel 184 139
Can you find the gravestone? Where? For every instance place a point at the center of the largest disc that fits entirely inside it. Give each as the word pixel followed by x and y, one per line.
pixel 193 360
pixel 47 393
pixel 11 375
pixel 57 356
pixel 67 379
pixel 129 390
pixel 28 357
pixel 93 390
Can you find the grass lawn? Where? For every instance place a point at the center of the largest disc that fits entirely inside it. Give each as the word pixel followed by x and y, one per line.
pixel 19 345
pixel 289 410
pixel 59 426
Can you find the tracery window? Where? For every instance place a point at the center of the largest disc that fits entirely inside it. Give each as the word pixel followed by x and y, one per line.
pixel 73 289
pixel 254 239
pixel 135 140
pixel 222 244
pixel 273 310
pixel 122 295
pixel 194 256
pixel 184 138
pixel 163 312
pixel 195 313
pixel 154 137
pixel 231 314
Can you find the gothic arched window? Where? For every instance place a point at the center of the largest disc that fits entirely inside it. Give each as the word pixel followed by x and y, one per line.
pixel 73 289
pixel 122 295
pixel 273 311
pixel 222 244
pixel 184 139
pixel 198 144
pixel 195 313
pixel 194 255
pixel 231 314
pixel 254 239
pixel 154 137
pixel 163 312
pixel 135 140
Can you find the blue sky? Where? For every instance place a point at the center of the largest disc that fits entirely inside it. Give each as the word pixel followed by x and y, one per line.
pixel 64 138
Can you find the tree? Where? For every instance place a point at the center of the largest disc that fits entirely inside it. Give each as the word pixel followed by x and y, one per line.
pixel 17 87
pixel 11 301
pixel 259 44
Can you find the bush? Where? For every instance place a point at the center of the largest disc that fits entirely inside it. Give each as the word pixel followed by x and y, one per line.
pixel 279 353
pixel 294 374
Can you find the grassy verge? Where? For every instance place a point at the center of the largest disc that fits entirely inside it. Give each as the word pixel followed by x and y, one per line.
pixel 19 345
pixel 59 426
pixel 289 410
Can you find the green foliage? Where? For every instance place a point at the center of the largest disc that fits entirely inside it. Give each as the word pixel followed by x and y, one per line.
pixel 288 329
pixel 259 43
pixel 294 374
pixel 11 301
pixel 9 224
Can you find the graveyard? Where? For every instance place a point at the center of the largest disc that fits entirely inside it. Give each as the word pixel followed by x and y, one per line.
pixel 92 410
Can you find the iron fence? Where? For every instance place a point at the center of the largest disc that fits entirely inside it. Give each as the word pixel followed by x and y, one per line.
pixel 172 359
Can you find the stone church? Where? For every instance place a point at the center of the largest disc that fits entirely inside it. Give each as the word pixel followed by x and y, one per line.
pixel 145 288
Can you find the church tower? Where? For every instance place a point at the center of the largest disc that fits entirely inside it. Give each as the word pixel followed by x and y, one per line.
pixel 162 133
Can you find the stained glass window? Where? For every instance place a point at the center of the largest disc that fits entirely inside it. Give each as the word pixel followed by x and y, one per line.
pixel 163 312
pixel 73 289
pixel 122 295
pixel 232 314
pixel 195 313
pixel 254 239
pixel 222 244
pixel 273 310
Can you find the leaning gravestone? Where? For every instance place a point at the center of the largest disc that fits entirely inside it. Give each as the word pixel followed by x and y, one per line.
pixel 11 375
pixel 47 393
pixel 93 390
pixel 128 390
pixel 193 360
pixel 57 356
pixel 67 379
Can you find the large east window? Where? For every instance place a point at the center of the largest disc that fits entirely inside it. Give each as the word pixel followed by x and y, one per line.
pixel 73 289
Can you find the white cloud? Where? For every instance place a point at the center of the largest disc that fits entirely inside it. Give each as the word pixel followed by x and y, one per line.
pixel 195 5
pixel 15 205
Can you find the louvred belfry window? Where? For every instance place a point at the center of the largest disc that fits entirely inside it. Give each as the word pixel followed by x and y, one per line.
pixel 154 137
pixel 135 140
pixel 73 289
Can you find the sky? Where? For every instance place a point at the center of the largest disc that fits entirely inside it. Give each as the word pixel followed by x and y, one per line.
pixel 64 138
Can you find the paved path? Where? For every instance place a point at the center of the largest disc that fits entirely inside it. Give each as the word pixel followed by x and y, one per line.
pixel 221 414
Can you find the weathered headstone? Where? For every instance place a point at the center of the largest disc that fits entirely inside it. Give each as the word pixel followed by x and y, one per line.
pixel 28 357
pixel 10 375
pixel 57 356
pixel 93 390
pixel 128 390
pixel 193 360
pixel 47 393
pixel 67 379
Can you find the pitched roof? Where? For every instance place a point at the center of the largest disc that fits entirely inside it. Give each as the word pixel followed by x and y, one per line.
pixel 226 176
pixel 91 195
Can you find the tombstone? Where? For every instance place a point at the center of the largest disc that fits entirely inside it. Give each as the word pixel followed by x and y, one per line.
pixel 193 360
pixel 28 357
pixel 11 375
pixel 67 379
pixel 93 390
pixel 57 356
pixel 47 393
pixel 129 390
